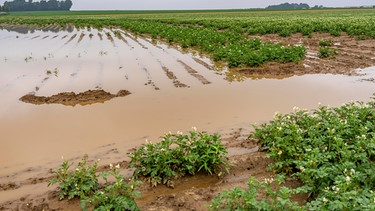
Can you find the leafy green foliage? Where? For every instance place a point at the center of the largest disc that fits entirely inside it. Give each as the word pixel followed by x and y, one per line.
pixel 327 52
pixel 83 183
pixel 179 154
pixel 223 36
pixel 78 183
pixel 325 43
pixel 276 197
pixel 118 195
pixel 331 150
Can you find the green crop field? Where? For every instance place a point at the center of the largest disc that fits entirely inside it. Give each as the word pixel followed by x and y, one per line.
pixel 223 35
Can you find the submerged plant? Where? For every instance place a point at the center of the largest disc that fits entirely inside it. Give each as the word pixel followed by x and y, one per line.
pixel 103 53
pixel 55 72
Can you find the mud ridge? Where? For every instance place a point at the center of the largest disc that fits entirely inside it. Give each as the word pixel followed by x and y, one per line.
pixel 71 38
pixel 194 73
pixel 72 99
pixel 173 77
pixel 81 37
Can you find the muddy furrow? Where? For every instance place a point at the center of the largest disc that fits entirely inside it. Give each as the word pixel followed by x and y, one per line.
pixel 81 37
pixel 173 77
pixel 194 73
pixel 188 68
pixel 137 41
pixel 35 37
pixel 118 34
pixel 160 53
pixel 203 63
pixel 110 38
pixel 71 38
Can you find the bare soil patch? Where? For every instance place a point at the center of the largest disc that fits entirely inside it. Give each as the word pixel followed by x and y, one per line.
pixel 72 99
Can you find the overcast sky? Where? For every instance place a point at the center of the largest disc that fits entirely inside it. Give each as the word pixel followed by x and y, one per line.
pixel 200 4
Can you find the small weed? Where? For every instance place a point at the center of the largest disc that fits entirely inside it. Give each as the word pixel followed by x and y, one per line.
pixel 55 72
pixel 179 154
pixel 361 56
pixel 327 52
pixel 28 58
pixel 103 53
pixel 325 43
pixel 361 37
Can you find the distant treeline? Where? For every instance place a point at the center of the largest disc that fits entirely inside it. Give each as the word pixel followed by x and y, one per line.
pixel 292 6
pixel 43 5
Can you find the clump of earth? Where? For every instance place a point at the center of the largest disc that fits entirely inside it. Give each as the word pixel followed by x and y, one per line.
pixel 72 99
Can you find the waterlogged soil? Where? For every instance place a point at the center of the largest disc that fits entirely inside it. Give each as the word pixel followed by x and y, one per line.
pixel 189 193
pixel 72 99
pixel 171 89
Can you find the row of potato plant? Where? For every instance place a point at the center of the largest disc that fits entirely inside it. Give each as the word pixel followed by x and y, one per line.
pixel 224 36
pixel 158 163
pixel 330 150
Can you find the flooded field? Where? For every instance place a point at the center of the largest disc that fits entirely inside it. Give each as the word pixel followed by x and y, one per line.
pixel 166 90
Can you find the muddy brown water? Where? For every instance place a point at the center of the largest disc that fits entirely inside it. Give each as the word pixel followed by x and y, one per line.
pixel 33 138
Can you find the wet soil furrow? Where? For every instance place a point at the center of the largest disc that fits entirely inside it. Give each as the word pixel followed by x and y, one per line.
pixel 71 38
pixel 136 40
pixel 81 37
pixel 172 77
pixel 100 36
pixel 194 73
pixel 35 37
pixel 203 63
pixel 110 38
pixel 118 35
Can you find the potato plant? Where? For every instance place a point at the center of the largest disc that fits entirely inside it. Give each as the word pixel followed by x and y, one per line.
pixel 83 183
pixel 330 150
pixel 177 155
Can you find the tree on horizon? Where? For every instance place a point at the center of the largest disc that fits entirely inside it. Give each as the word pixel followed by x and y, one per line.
pixel 43 5
pixel 289 6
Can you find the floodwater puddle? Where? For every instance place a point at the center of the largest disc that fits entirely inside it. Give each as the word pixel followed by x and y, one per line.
pixel 171 91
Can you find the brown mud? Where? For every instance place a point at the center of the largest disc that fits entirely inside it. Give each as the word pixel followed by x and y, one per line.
pixel 203 97
pixel 71 99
